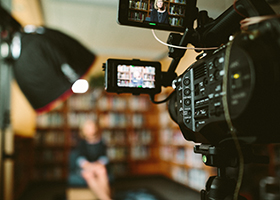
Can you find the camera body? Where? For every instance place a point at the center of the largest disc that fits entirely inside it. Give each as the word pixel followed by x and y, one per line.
pixel 132 76
pixel 253 88
pixel 240 80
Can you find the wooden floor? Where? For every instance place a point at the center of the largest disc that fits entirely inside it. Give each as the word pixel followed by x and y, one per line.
pixel 164 187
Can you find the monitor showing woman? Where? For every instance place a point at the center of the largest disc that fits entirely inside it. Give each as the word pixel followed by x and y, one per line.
pixel 159 13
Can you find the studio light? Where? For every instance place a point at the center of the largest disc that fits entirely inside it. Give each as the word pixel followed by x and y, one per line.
pixel 45 63
pixel 49 64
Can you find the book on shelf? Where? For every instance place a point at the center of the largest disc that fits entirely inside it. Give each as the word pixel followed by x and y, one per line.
pixel 194 178
pixel 113 120
pixel 50 120
pixel 48 174
pixel 49 156
pixel 197 178
pixel 108 103
pixel 76 119
pixel 138 103
pixel 141 136
pixel 166 153
pixel 140 152
pixel 114 137
pixel 119 169
pixel 49 138
pixel 117 153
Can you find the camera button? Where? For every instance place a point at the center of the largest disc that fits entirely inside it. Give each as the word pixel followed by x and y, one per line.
pixel 187 91
pixel 187 102
pixel 186 81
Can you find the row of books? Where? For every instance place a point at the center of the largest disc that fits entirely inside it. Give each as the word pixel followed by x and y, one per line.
pixel 49 138
pixel 76 119
pixel 177 10
pixel 122 75
pixel 126 69
pixel 119 169
pixel 74 138
pixel 117 153
pixel 49 174
pixel 119 137
pixel 178 1
pixel 139 103
pixel 128 83
pixel 194 178
pixel 86 101
pixel 182 156
pixel 49 155
pixel 113 120
pixel 81 102
pixel 127 76
pixel 142 137
pixel 114 137
pixel 121 153
pixel 175 21
pixel 143 4
pixel 140 152
pixel 136 16
pixel 50 120
pixel 173 137
pixel 112 103
pixel 120 120
pixel 109 103
pixel 123 68
pixel 90 101
pixel 136 4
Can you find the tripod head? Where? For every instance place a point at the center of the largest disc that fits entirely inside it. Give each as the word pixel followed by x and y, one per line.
pixel 224 155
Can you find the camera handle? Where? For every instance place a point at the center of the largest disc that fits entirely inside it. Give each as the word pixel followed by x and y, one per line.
pixel 221 187
pixel 176 54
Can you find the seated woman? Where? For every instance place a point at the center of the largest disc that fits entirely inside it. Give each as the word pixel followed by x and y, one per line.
pixel 91 161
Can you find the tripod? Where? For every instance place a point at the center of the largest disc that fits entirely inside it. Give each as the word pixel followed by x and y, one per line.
pixel 221 187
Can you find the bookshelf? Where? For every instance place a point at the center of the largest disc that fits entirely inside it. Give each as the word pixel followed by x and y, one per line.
pixel 128 125
pixel 23 165
pixel 139 10
pixel 130 133
pixel 50 146
pixel 274 153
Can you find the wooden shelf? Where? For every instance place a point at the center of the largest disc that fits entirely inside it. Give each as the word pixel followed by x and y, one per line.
pixel 128 126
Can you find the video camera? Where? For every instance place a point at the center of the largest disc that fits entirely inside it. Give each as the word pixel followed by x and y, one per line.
pixel 234 88
pixel 197 104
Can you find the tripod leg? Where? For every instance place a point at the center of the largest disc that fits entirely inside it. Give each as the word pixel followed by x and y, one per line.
pixel 203 194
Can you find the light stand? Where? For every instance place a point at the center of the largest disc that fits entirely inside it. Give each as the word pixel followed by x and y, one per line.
pixel 45 63
pixel 221 187
pixel 6 135
pixel 8 26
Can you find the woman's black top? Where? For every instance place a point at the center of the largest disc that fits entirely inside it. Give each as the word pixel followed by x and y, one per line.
pixel 159 17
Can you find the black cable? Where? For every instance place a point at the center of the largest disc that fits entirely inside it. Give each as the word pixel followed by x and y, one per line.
pixel 152 98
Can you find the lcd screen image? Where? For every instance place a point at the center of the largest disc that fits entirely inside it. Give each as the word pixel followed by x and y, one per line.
pixel 160 12
pixel 131 76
